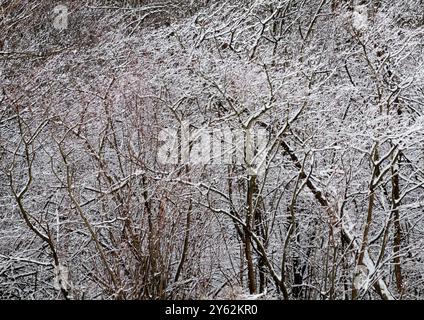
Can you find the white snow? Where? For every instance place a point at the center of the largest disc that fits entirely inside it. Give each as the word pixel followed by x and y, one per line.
pixel 360 18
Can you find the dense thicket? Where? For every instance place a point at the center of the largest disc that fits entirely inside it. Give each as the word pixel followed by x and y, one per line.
pixel 89 209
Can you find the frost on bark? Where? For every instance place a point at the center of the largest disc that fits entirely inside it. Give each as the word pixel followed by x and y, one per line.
pixel 198 149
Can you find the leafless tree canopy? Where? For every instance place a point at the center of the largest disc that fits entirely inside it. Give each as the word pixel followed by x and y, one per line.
pixel 334 210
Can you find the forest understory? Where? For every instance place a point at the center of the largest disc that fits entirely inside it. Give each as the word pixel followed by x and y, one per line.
pixel 212 149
